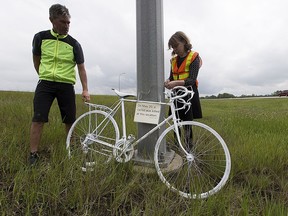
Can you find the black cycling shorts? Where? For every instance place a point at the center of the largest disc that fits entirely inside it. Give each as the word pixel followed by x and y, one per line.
pixel 46 92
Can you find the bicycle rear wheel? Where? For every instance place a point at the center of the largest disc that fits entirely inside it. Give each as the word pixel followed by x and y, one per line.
pixel 199 171
pixel 91 139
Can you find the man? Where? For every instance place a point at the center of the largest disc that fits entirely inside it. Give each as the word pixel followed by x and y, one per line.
pixel 55 55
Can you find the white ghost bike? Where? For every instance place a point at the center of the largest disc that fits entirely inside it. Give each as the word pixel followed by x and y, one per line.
pixel 190 157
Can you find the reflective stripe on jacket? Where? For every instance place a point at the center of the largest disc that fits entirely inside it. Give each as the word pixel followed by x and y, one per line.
pixel 182 72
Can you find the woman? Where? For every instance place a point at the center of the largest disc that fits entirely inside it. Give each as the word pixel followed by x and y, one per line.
pixel 185 65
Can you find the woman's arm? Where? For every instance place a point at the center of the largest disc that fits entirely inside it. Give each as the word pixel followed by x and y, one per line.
pixel 193 72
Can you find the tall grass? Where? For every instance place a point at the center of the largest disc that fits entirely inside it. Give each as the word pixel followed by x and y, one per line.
pixel 254 130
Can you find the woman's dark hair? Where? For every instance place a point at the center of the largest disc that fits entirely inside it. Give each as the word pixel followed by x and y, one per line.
pixel 179 36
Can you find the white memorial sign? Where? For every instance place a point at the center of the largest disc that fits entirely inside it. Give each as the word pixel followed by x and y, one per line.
pixel 147 113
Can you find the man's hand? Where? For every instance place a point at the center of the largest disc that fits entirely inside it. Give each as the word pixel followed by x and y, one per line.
pixel 85 96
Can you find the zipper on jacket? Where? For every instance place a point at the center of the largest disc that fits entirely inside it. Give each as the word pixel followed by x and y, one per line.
pixel 55 57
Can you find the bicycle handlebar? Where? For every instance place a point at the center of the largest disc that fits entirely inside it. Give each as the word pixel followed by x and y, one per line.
pixel 174 95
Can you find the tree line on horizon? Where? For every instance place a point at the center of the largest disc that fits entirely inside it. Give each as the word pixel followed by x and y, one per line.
pixel 228 95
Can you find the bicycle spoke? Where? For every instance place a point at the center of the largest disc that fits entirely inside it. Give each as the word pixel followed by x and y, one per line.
pixel 203 169
pixel 92 137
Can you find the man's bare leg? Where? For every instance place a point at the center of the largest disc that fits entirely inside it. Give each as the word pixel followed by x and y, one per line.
pixel 35 135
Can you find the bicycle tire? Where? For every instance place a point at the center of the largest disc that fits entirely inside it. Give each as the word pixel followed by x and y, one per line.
pixel 84 139
pixel 200 173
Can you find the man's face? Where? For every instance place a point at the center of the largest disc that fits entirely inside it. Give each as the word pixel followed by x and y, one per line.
pixel 61 24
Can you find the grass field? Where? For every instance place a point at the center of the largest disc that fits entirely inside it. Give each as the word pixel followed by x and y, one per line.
pixel 255 131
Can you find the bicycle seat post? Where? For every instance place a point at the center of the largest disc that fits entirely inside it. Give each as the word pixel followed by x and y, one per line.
pixel 123 118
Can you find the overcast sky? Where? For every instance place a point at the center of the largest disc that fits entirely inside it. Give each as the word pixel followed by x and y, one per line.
pixel 243 43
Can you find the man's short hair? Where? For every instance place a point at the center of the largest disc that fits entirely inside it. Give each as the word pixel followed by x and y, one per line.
pixel 58 10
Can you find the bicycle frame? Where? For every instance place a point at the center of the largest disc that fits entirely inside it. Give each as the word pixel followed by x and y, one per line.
pixel 121 103
pixel 190 157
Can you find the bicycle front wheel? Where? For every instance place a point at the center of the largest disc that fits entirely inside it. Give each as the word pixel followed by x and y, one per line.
pixel 91 139
pixel 197 167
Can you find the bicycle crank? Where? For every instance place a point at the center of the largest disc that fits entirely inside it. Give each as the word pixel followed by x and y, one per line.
pixel 123 151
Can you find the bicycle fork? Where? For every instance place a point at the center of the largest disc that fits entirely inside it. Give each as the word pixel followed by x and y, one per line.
pixel 189 156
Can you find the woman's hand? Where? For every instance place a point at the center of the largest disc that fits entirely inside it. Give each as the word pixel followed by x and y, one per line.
pixel 166 83
pixel 171 84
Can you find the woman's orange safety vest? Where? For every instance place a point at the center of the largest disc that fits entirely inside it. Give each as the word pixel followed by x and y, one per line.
pixel 182 72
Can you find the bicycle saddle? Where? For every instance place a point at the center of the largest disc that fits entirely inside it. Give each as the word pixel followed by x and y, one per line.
pixel 122 94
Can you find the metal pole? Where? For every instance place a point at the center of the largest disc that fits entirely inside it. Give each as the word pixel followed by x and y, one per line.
pixel 150 66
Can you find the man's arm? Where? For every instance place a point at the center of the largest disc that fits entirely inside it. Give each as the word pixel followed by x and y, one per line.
pixel 83 79
pixel 36 62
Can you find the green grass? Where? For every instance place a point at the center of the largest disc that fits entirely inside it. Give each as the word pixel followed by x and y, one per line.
pixel 255 131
